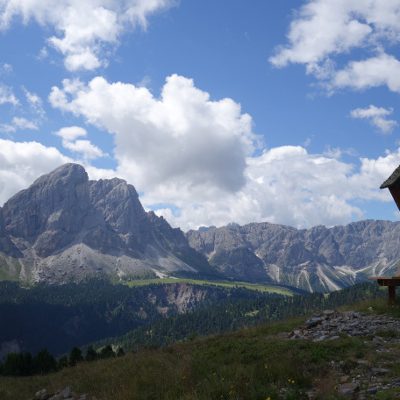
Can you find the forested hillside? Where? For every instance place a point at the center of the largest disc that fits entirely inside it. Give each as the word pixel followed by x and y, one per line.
pixel 237 312
pixel 60 317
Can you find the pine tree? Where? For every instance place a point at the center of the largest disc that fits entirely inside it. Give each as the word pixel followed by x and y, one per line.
pixel 75 356
pixel 91 354
pixel 44 362
pixel 120 352
pixel 62 362
pixel 107 352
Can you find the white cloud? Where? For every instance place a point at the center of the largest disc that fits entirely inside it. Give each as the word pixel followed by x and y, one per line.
pixel 375 71
pixel 71 133
pixel 378 117
pixel 182 139
pixel 83 28
pixel 70 142
pixel 193 156
pixel 18 123
pixel 6 69
pixel 283 185
pixel 7 96
pixel 22 162
pixel 35 102
pixel 88 150
pixel 287 185
pixel 323 30
pixel 23 123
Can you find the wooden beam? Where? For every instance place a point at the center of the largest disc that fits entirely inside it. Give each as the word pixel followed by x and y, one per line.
pixel 392 295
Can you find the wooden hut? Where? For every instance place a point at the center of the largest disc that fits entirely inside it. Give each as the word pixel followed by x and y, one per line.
pixel 393 184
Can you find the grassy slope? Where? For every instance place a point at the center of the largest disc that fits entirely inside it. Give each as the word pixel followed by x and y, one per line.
pixel 250 364
pixel 227 284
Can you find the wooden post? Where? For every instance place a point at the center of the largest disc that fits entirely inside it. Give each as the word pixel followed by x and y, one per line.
pixel 392 294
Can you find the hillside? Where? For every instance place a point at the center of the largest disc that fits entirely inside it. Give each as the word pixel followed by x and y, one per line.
pixel 317 259
pixel 259 363
pixel 75 314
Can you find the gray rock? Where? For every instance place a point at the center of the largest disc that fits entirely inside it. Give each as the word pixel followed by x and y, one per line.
pixel 66 392
pixel 314 321
pixel 42 395
pixel 348 389
pixel 380 371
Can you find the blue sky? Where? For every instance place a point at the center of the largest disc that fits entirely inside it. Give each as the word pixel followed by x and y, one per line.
pixel 216 111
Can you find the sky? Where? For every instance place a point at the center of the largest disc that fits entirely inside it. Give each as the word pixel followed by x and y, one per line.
pixel 216 111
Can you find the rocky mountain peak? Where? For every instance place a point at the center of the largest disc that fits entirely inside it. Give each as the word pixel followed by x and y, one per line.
pixel 66 174
pixel 54 202
pixel 67 226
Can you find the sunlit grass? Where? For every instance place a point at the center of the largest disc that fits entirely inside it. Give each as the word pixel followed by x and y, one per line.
pixel 228 284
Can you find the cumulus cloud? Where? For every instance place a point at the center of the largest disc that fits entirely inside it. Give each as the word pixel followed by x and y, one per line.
pixel 22 162
pixel 382 70
pixel 17 124
pixel 323 30
pixel 83 28
pixel 378 117
pixel 183 139
pixel 283 185
pixel 291 186
pixel 71 133
pixel 71 142
pixel 193 159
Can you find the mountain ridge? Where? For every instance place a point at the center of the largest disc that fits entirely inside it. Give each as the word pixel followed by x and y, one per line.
pixel 315 259
pixel 65 227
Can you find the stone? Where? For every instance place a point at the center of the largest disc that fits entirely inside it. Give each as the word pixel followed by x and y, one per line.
pixel 66 392
pixel 344 378
pixel 42 395
pixel 314 321
pixel 372 390
pixel 348 389
pixel 380 371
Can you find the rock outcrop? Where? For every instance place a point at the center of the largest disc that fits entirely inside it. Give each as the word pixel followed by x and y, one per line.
pixel 358 378
pixel 64 394
pixel 65 227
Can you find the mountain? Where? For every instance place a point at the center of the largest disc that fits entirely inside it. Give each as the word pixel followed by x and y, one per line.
pixel 316 259
pixel 66 227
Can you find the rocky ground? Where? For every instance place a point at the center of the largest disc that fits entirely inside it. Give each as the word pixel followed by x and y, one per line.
pixel 65 394
pixel 369 377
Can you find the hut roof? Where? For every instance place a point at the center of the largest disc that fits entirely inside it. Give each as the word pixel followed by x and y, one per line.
pixel 392 179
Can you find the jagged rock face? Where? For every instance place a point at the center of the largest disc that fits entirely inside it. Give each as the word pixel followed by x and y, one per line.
pixel 65 227
pixel 317 259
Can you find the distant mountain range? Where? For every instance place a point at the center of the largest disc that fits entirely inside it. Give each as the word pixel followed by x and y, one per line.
pixel 316 259
pixel 65 227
